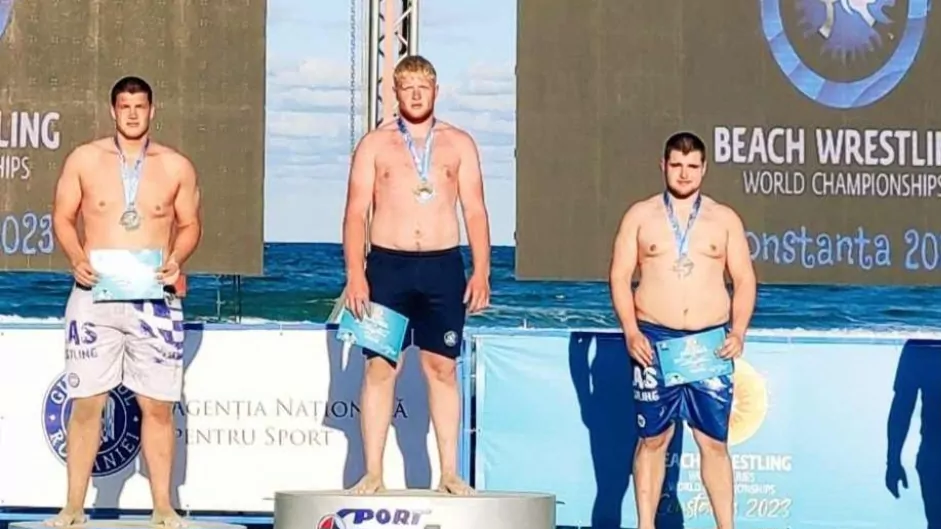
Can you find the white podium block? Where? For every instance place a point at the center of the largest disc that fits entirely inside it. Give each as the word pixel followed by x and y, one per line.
pixel 418 509
pixel 126 523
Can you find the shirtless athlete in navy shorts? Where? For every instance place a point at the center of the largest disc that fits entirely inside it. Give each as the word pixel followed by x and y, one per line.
pixel 413 171
pixel 683 243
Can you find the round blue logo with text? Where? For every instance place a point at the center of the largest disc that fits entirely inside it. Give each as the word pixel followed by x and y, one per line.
pixel 120 426
pixel 844 53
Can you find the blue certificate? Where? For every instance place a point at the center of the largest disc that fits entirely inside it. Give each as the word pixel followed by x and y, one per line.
pixel 382 330
pixel 126 275
pixel 693 358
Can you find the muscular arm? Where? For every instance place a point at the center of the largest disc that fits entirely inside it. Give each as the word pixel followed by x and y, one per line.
pixel 623 265
pixel 470 185
pixel 742 273
pixel 188 226
pixel 65 208
pixel 359 195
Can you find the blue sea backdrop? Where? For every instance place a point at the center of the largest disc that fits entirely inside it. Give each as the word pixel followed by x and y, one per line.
pixel 302 281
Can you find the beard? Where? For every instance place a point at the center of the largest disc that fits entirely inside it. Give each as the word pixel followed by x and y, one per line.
pixel 681 195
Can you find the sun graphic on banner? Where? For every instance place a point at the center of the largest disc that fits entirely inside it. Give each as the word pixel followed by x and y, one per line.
pixel 749 403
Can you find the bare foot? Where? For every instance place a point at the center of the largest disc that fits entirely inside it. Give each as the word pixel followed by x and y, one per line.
pixel 451 484
pixel 370 484
pixel 167 518
pixel 67 518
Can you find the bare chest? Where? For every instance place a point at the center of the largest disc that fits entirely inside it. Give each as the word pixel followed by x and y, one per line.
pixel 104 191
pixel 396 167
pixel 706 238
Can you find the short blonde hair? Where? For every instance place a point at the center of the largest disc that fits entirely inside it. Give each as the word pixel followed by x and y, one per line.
pixel 414 64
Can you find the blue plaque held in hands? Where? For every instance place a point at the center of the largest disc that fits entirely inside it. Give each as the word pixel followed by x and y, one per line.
pixel 693 358
pixel 126 275
pixel 381 330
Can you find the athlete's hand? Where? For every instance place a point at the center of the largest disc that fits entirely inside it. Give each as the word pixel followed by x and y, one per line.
pixel 84 274
pixel 895 476
pixel 733 347
pixel 477 293
pixel 638 346
pixel 169 272
pixel 357 296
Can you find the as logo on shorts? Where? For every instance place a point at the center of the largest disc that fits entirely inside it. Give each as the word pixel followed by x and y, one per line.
pixel 120 426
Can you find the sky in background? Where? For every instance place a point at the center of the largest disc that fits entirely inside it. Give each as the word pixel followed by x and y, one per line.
pixel 473 48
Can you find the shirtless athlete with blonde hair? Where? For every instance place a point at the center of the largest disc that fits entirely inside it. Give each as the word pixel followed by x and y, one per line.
pixel 412 172
pixel 131 193
pixel 683 243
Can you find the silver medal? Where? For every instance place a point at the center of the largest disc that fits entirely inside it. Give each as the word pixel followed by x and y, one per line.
pixel 130 177
pixel 130 220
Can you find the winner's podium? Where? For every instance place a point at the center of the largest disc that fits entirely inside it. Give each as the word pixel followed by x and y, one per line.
pixel 421 509
pixel 128 523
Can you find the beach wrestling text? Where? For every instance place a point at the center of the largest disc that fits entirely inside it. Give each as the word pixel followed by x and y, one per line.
pixel 22 133
pixel 795 161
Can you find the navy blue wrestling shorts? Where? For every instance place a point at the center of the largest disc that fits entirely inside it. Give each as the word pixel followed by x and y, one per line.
pixel 705 406
pixel 428 288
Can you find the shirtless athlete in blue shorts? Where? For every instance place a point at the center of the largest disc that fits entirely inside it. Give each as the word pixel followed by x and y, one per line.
pixel 412 172
pixel 683 243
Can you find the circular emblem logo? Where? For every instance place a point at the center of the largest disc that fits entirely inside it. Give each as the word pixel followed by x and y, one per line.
pixel 450 338
pixel 844 53
pixel 120 426
pixel 6 10
pixel 331 521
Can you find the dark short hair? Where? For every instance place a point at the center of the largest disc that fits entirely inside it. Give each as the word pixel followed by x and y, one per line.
pixel 131 85
pixel 685 142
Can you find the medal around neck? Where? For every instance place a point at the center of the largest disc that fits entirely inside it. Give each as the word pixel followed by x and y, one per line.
pixel 683 266
pixel 130 178
pixel 130 219
pixel 425 190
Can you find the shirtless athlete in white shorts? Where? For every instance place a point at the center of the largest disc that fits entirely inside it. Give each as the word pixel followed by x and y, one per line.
pixel 138 343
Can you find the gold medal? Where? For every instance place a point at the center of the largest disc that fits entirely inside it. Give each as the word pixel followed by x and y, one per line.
pixel 424 192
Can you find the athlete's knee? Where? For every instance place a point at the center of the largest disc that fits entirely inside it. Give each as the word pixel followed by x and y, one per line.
pixel 710 447
pixel 656 443
pixel 439 368
pixel 156 411
pixel 86 410
pixel 379 371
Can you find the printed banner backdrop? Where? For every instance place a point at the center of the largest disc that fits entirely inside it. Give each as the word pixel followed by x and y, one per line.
pixel 813 422
pixel 206 64
pixel 263 410
pixel 820 120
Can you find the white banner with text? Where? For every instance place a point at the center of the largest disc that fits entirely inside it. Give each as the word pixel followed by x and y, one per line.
pixel 263 410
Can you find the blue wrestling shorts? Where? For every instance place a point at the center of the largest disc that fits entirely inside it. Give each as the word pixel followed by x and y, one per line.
pixel 705 406
pixel 428 288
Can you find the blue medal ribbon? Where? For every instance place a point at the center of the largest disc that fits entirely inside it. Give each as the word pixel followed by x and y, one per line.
pixel 681 238
pixel 422 163
pixel 130 177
